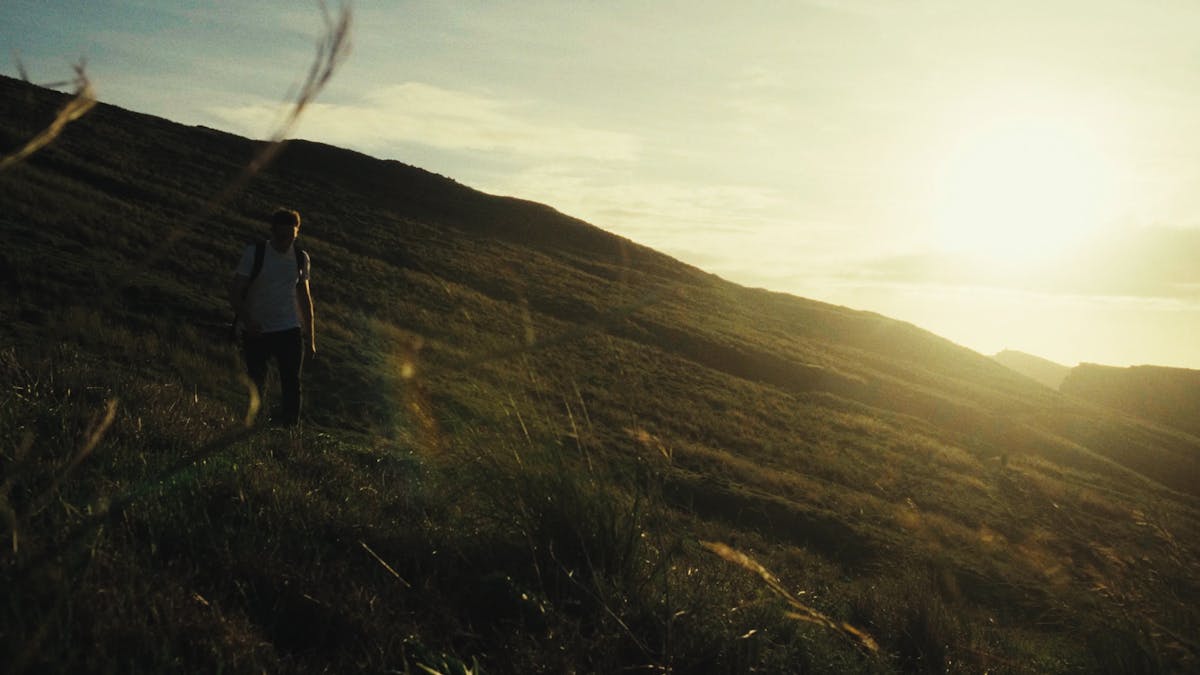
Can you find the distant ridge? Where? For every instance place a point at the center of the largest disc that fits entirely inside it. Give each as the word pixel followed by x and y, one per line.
pixel 1169 396
pixel 1035 368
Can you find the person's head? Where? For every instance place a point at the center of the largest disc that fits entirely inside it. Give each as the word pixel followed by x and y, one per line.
pixel 285 226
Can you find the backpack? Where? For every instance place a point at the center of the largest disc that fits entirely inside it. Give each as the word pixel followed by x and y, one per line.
pixel 260 250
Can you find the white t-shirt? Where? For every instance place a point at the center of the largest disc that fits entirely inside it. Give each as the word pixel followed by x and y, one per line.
pixel 271 298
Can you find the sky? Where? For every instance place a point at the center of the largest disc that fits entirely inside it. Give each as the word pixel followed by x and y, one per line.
pixel 1009 175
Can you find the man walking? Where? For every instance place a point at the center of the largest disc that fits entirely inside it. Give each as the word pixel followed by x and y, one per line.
pixel 270 296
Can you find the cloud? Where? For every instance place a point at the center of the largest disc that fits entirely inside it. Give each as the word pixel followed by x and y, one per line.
pixel 652 211
pixel 741 231
pixel 1144 263
pixel 864 8
pixel 421 114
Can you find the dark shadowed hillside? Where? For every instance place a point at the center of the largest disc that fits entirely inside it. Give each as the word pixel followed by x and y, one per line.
pixel 1035 368
pixel 520 429
pixel 1169 396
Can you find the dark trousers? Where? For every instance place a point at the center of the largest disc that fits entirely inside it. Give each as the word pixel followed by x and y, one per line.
pixel 287 348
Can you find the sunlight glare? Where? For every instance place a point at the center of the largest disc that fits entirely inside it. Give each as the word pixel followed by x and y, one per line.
pixel 1022 189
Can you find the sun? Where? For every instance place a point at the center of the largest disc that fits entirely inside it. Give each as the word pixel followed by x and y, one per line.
pixel 1022 189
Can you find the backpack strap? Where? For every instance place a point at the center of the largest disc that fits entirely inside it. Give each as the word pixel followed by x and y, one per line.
pixel 302 265
pixel 260 249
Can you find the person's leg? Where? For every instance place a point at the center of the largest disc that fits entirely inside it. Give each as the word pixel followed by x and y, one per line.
pixel 255 352
pixel 289 355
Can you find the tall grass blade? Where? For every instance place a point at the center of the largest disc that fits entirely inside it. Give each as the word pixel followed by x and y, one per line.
pixel 802 612
pixel 83 100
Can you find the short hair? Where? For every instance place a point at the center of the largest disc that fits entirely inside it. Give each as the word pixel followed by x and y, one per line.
pixel 288 217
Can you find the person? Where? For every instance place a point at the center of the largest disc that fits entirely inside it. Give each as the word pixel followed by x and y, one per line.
pixel 272 300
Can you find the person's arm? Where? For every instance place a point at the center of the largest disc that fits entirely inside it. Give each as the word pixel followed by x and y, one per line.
pixel 306 314
pixel 237 299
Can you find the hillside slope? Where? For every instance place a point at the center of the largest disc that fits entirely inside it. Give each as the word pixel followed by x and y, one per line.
pixel 1169 396
pixel 510 403
pixel 1036 368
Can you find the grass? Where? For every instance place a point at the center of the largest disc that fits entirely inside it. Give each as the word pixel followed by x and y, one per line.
pixel 581 526
pixel 80 103
pixel 326 549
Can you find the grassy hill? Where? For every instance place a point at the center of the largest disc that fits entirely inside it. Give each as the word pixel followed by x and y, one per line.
pixel 521 431
pixel 1036 368
pixel 1169 396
